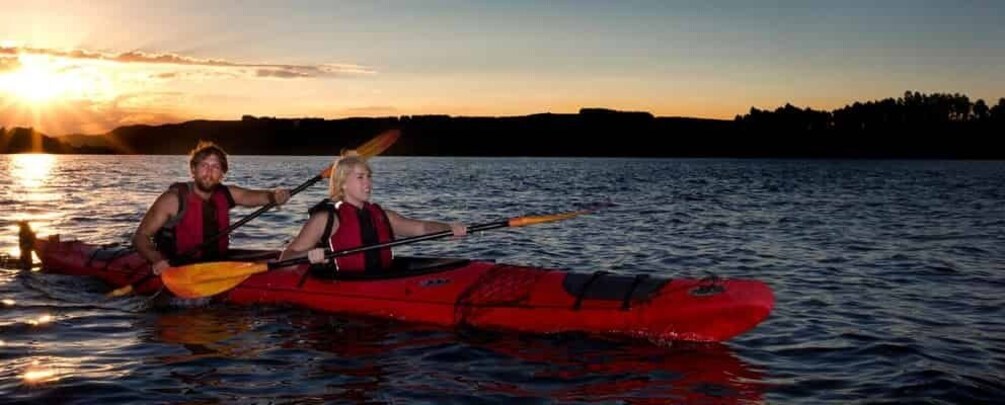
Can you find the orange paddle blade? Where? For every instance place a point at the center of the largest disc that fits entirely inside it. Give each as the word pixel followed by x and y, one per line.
pixel 327 172
pixel 537 219
pixel 371 148
pixel 378 144
pixel 206 279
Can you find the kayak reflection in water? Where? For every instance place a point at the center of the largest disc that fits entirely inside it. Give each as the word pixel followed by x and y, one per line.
pixel 573 368
pixel 347 219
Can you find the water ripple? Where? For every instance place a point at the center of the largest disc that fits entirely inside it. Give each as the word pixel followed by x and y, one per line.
pixel 887 274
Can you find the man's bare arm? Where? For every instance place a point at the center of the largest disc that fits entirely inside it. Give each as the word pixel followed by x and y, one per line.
pixel 257 198
pixel 159 213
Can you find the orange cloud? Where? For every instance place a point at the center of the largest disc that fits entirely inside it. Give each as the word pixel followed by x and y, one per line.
pixel 273 70
pixel 86 91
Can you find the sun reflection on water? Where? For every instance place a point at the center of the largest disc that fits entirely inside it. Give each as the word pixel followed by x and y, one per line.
pixel 38 373
pixel 31 170
pixel 27 182
pixel 41 320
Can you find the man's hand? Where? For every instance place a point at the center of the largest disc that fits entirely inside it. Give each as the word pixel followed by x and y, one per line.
pixel 316 255
pixel 159 266
pixel 458 229
pixel 280 196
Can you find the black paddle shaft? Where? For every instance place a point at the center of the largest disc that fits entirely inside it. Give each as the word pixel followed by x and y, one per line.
pixel 399 242
pixel 249 217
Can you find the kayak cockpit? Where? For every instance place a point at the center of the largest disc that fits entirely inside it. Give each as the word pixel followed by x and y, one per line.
pixel 401 267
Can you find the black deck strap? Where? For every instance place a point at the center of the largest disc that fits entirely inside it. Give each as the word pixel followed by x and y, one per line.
pixel 709 285
pixel 626 303
pixel 119 254
pixel 93 255
pixel 96 252
pixel 303 278
pixel 586 287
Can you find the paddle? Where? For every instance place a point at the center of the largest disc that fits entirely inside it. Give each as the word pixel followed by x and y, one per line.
pixel 369 149
pixel 207 279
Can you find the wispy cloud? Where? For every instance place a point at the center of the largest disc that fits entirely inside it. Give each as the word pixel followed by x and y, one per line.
pixel 271 70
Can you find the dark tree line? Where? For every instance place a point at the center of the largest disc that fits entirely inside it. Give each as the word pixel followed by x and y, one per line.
pixel 914 110
pixel 915 125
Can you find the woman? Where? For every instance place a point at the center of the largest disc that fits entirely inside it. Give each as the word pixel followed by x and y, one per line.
pixel 347 220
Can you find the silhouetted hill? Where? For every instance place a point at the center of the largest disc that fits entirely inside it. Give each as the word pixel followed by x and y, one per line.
pixel 914 126
pixel 592 132
pixel 27 140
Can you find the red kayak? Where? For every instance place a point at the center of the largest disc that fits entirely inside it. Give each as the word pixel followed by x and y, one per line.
pixel 482 294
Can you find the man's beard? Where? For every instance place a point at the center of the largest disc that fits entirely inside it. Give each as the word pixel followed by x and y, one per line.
pixel 204 186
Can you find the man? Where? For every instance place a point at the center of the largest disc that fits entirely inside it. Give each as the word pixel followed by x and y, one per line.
pixel 188 215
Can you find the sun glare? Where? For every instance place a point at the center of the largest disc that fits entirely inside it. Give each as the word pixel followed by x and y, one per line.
pixel 30 170
pixel 41 80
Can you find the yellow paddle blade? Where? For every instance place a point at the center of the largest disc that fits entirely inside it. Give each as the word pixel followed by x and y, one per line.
pixel 206 279
pixel 206 288
pixel 378 144
pixel 537 219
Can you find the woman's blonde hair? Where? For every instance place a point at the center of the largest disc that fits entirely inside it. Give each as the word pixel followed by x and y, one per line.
pixel 342 166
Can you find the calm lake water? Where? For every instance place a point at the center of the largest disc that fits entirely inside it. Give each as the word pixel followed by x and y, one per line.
pixel 889 278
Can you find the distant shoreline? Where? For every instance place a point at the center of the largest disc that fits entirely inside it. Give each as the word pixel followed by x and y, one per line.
pixel 916 126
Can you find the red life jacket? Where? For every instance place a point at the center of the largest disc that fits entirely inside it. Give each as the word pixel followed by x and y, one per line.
pixel 357 227
pixel 197 221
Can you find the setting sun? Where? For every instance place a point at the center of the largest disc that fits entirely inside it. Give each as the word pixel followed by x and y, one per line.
pixel 40 80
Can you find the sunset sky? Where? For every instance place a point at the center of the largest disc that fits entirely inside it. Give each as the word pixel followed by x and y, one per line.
pixel 90 66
